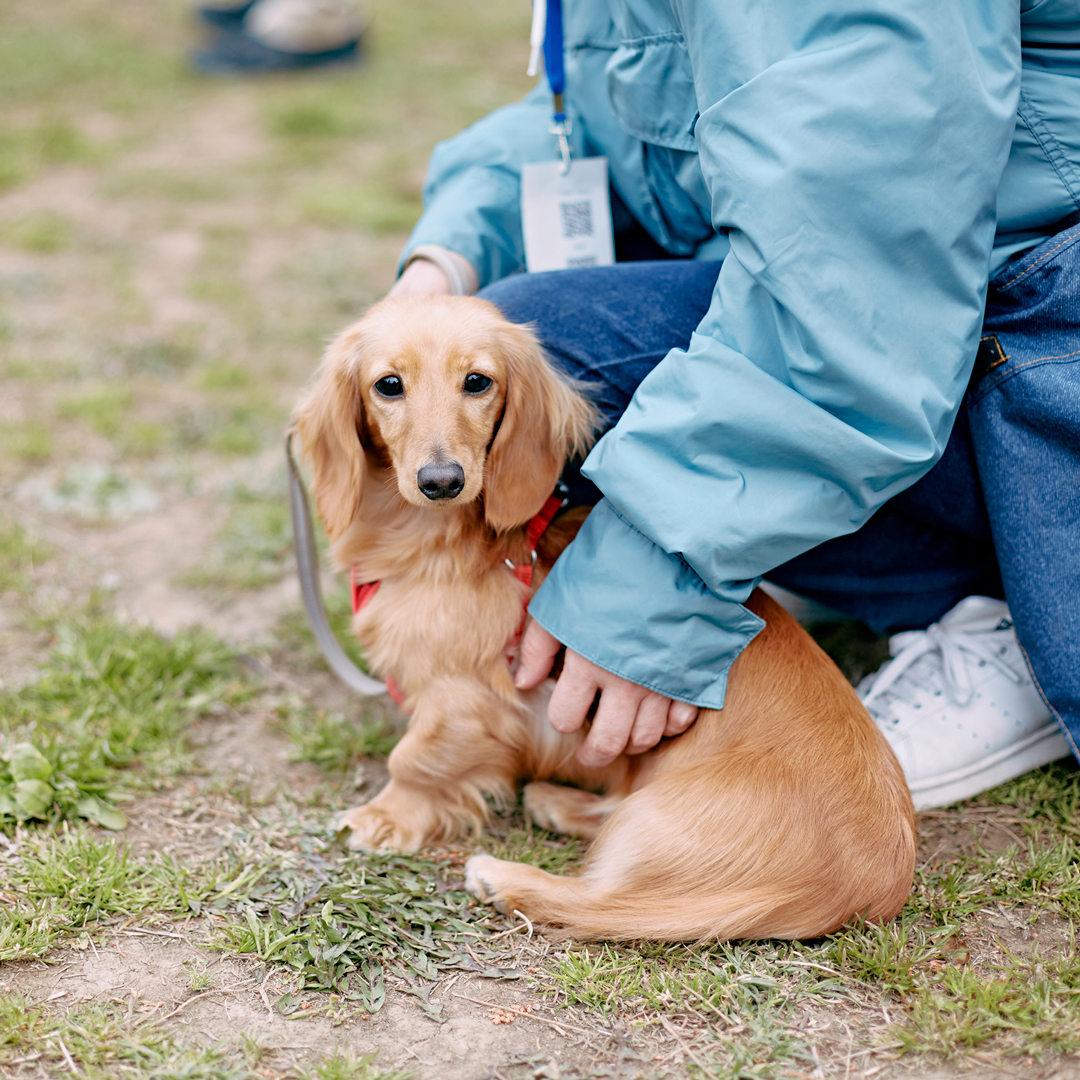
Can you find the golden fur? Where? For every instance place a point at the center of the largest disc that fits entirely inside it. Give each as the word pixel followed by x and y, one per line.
pixel 783 815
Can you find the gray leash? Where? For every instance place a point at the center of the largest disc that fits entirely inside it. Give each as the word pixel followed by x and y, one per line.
pixel 307 566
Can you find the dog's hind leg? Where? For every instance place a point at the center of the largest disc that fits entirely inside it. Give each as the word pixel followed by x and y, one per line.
pixel 748 862
pixel 568 810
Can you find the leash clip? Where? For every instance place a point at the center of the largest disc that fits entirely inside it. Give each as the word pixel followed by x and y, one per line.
pixel 513 565
pixel 561 126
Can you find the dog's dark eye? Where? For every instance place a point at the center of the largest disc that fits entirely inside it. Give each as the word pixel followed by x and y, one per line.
pixel 390 386
pixel 476 383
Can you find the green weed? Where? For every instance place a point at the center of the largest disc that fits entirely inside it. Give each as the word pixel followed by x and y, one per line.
pixel 104 410
pixel 345 928
pixel 1024 1008
pixel 342 1065
pixel 313 117
pixel 199 978
pixel 99 1041
pixel 65 882
pixel 335 742
pixel 30 443
pixel 103 1042
pixel 162 356
pixel 19 552
pixel 225 376
pixel 1046 797
pixel 110 710
pixel 26 149
pixel 43 231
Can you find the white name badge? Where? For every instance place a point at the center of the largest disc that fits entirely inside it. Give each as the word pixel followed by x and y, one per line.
pixel 567 219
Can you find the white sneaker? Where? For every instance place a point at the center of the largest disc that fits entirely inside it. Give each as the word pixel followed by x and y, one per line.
pixel 304 25
pixel 958 706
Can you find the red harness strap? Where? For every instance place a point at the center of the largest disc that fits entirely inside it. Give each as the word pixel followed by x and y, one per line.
pixel 536 528
pixel 363 591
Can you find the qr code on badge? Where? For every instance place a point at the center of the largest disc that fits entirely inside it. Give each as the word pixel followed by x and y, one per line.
pixel 576 219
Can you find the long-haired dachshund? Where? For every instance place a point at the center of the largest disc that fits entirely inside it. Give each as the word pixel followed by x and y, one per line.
pixel 435 432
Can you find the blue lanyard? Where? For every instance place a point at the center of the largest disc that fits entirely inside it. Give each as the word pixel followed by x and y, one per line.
pixel 556 76
pixel 553 54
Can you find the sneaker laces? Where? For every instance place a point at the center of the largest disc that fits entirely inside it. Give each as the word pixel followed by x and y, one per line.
pixel 946 666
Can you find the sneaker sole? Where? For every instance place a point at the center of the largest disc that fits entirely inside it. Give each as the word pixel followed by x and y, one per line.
pixel 1045 745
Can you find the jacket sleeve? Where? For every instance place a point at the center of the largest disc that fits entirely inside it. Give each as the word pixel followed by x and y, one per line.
pixel 472 192
pixel 852 153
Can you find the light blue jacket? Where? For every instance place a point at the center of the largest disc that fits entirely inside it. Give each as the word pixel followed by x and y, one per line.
pixel 870 162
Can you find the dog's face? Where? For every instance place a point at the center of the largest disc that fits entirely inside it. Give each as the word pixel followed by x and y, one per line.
pixel 433 394
pixel 457 402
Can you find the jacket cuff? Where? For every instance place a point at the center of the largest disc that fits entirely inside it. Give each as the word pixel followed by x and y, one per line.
pixel 641 613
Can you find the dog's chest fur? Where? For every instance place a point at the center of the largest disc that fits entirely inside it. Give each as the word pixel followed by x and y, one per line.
pixel 447 603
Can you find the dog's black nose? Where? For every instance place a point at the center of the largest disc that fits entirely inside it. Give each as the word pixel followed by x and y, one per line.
pixel 441 480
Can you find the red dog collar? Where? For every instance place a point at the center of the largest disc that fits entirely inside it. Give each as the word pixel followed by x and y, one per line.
pixel 363 591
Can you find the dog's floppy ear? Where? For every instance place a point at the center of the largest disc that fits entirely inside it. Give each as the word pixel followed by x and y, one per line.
pixel 330 423
pixel 545 421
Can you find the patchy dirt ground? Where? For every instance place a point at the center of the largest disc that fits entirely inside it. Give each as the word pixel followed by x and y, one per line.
pixel 150 971
pixel 173 254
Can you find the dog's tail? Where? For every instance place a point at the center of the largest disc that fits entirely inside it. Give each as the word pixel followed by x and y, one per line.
pixel 783 815
pixel 659 873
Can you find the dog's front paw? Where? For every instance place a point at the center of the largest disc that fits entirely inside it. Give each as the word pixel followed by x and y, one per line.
pixel 480 877
pixel 372 829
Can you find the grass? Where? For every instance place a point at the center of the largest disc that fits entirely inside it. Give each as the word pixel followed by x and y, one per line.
pixel 361 206
pixel 946 995
pixel 531 844
pixel 43 231
pixel 99 1042
pixel 253 548
pixel 295 643
pixel 335 742
pixel 30 443
pixel 103 1042
pixel 165 295
pixel 66 882
pixel 19 552
pixel 27 149
pixel 346 927
pixel 104 410
pixel 110 711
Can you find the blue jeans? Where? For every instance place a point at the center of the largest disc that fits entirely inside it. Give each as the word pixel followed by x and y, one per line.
pixel 999 515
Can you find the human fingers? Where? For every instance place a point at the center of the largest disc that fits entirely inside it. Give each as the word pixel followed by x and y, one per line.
pixel 536 657
pixel 574 692
pixel 612 725
pixel 680 716
pixel 649 724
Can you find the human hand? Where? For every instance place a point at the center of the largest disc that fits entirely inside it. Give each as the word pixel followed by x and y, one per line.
pixel 630 719
pixel 423 277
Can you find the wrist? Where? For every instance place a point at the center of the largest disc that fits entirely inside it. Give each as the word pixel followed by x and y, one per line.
pixel 460 276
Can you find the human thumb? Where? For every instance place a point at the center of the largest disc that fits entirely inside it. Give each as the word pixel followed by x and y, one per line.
pixel 538 652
